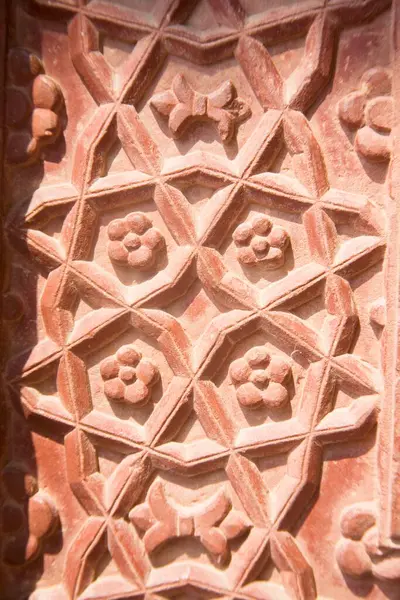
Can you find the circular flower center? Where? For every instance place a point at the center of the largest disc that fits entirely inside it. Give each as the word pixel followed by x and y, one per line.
pixel 127 374
pixel 132 241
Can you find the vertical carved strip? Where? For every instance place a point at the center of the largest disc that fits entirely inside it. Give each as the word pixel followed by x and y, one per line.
pixel 389 431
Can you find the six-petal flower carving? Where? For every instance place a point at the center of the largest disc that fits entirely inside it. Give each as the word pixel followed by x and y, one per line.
pixel 134 241
pixel 260 377
pixel 259 240
pixel 128 376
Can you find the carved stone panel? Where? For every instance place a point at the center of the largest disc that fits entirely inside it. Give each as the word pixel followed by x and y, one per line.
pixel 200 269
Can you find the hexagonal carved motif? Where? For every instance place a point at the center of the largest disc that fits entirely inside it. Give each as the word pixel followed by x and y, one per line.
pixel 212 521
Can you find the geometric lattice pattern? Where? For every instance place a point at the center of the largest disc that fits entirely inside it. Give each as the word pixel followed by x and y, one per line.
pixel 119 370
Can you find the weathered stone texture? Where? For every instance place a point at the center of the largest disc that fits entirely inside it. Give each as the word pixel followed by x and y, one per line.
pixel 200 300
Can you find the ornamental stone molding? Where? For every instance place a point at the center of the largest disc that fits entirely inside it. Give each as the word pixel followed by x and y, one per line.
pixel 200 308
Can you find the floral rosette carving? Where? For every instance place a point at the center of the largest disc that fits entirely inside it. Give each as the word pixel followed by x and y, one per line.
pixel 259 240
pixel 214 521
pixel 133 241
pixel 128 376
pixel 358 553
pixel 34 102
pixel 370 111
pixel 261 378
pixel 28 516
pixel 182 105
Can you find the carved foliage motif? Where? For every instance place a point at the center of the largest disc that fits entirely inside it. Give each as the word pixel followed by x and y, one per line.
pixel 182 104
pixel 213 521
pixel 370 111
pixel 34 101
pixel 258 240
pixel 128 377
pixel 25 529
pixel 128 514
pixel 359 553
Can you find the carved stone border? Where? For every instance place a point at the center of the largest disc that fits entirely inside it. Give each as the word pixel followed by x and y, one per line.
pixel 389 424
pixel 389 463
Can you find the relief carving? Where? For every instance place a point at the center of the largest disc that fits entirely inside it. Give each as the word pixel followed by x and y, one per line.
pixel 182 105
pixel 128 376
pixel 359 553
pixel 34 103
pixel 259 240
pixel 134 241
pixel 261 378
pixel 213 521
pixel 311 369
pixel 28 516
pixel 369 110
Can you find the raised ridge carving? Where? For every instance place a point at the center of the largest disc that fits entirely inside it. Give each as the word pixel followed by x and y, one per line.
pixel 182 104
pixel 183 282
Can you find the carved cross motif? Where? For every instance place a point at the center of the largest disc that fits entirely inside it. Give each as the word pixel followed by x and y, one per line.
pixel 182 105
pixel 213 521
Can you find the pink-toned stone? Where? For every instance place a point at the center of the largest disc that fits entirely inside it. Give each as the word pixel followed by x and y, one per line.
pixel 200 389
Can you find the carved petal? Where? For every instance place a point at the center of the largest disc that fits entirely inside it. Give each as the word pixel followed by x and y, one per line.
pixel 82 556
pixel 178 117
pixel 308 162
pixel 164 102
pixel 351 109
pixel 127 550
pixel 321 233
pixel 223 95
pixel 261 72
pixel 373 145
pixel 248 483
pixel 213 413
pixel 182 89
pixel 306 81
pixel 126 483
pixel 338 296
pixel 388 569
pixel 296 573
